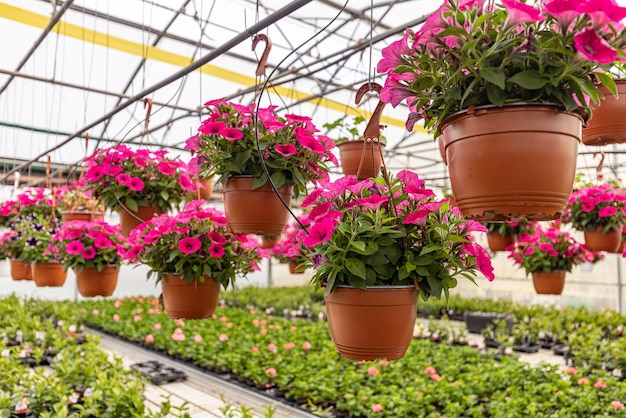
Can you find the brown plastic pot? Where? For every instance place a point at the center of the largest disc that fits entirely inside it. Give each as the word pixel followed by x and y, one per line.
pixel 48 274
pixel 373 323
pixel 269 241
pixel 184 300
pixel 130 219
pixel 365 154
pixel 499 242
pixel 512 161
pixel 549 283
pixel 68 216
pixel 255 211
pixel 442 149
pixel 607 124
pixel 293 268
pixel 21 270
pixel 598 240
pixel 91 282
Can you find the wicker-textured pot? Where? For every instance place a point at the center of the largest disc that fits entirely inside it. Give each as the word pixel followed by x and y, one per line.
pixel 608 122
pixel 373 323
pixel 598 240
pixel 255 211
pixel 130 219
pixel 512 161
pixel 549 283
pixel 21 270
pixel 91 282
pixel 366 154
pixel 49 274
pixel 184 300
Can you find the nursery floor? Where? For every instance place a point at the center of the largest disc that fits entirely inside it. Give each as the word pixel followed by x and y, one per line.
pixel 204 392
pixel 201 391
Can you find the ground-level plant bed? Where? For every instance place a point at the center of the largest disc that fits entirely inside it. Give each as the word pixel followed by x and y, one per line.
pixel 82 380
pixel 295 360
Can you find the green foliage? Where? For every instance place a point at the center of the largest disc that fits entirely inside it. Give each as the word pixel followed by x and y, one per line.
pixel 391 232
pixel 475 54
pixel 348 129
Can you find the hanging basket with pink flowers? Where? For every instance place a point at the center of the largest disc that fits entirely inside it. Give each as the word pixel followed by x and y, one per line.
pixel 139 183
pixel 245 148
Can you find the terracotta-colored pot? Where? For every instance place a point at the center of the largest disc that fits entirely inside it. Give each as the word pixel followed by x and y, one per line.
pixel 621 247
pixel 130 219
pixel 607 124
pixel 81 216
pixel 373 323
pixel 269 241
pixel 365 154
pixel 499 242
pixel 442 149
pixel 259 211
pixel 598 240
pixel 549 283
pixel 204 189
pixel 91 282
pixel 184 300
pixel 512 161
pixel 49 274
pixel 21 270
pixel 293 268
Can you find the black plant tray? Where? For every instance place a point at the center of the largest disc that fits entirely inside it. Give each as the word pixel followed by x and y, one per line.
pixel 491 343
pixel 560 349
pixel 527 348
pixel 476 322
pixel 158 373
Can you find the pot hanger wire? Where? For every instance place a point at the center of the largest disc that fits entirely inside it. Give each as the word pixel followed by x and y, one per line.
pixel 258 104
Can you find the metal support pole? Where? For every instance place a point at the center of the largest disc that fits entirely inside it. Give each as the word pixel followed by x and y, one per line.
pixel 279 14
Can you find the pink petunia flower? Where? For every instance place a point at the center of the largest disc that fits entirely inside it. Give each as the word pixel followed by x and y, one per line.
pixel 373 371
pixel 189 245
pixel 271 372
pixel 376 408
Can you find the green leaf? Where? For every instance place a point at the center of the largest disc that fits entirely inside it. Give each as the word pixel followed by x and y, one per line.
pixel 278 178
pixel 259 181
pixel 359 247
pixel 530 80
pixel 131 204
pixel 165 195
pixel 496 95
pixel 435 286
pixel 356 267
pixel 494 76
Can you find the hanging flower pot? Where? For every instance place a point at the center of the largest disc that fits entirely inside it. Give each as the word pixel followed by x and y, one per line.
pixel 373 323
pixel 20 270
pixel 293 268
pixel 607 124
pixel 48 274
pixel 502 167
pixel 370 274
pixel 130 219
pixel 138 183
pixel 255 211
pixel 598 240
pixel 91 282
pixel 202 254
pixel 269 241
pixel 362 157
pixel 189 300
pixel 206 188
pixel 549 283
pixel 499 242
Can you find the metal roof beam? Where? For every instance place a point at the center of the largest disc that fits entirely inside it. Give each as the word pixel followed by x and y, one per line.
pixel 279 14
pixel 53 21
